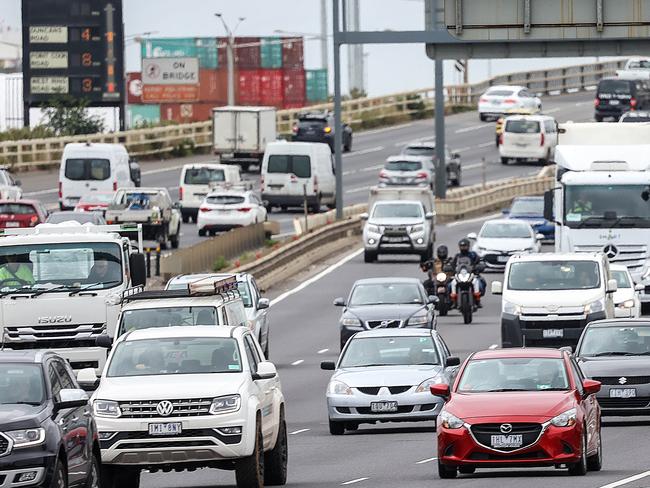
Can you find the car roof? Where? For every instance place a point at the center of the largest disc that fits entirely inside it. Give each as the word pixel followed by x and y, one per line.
pixel 422 144
pixel 506 222
pixel 189 278
pixel 518 352
pixel 180 332
pixel 25 201
pixel 395 202
pixel 558 256
pixel 186 301
pixel 227 192
pixel 505 87
pixel 406 332
pixel 533 117
pixel 618 323
pixel 390 279
pixel 24 356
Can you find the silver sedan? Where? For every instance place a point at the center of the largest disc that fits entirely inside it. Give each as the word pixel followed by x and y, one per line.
pixel 384 375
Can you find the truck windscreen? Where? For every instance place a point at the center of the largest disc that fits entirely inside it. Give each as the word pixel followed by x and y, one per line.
pixel 606 206
pixel 60 267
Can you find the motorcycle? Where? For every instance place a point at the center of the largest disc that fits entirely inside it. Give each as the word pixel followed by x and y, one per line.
pixel 467 293
pixel 442 289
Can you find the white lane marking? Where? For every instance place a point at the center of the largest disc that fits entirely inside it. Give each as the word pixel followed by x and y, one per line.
pixel 472 166
pixel 365 151
pixel 424 461
pixel 474 127
pixel 284 234
pixel 363 170
pixel 296 363
pixel 531 173
pixel 360 189
pixel 323 351
pixel 317 277
pixel 162 170
pixel 296 432
pixel 486 144
pixel 351 482
pixel 627 480
pixel 477 219
pixel 385 129
pixel 462 149
pixel 552 111
pixel 580 104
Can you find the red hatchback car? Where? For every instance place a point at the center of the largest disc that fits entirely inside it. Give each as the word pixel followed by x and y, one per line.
pixel 519 408
pixel 21 213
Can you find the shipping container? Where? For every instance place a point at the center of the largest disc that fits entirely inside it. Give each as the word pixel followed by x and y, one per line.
pixel 271 52
pixel 249 88
pixel 272 87
pixel 207 52
pixel 293 52
pixel 142 115
pixel 247 52
pixel 214 86
pixel 185 113
pixel 294 86
pixel 134 88
pixel 316 89
pixel 172 47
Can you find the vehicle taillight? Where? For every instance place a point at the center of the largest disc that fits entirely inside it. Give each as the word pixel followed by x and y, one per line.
pixel 180 192
pixel 115 186
pixel 541 142
pixel 510 100
pixel 483 100
pixel 204 209
pixel 327 129
pixel 60 190
pixel 295 129
pixel 382 174
pixel 294 178
pixel 33 220
pixel 315 184
pixel 501 139
pixel 596 102
pixel 244 209
pixel 633 103
pixel 421 174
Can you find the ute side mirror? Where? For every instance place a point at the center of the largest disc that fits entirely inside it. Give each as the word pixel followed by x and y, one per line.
pixel 265 371
pixel 505 211
pixel 441 390
pixel 71 398
pixel 433 300
pixel 364 216
pixel 639 287
pixel 539 237
pixel 263 303
pixel 452 361
pixel 549 196
pixel 591 387
pixel 339 302
pixel 612 286
pixel 138 267
pixel 497 288
pixel 87 379
pixel 428 216
pixel 328 365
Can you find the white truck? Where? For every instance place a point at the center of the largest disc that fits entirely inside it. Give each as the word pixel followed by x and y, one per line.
pixel 240 134
pixel 635 69
pixel 601 199
pixel 61 287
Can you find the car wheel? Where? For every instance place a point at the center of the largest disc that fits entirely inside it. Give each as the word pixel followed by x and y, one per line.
pixel 505 160
pixel 163 240
pixel 315 208
pixel 580 468
pixel 60 479
pixel 595 461
pixel 93 473
pixel 175 239
pixel 351 426
pixel 337 428
pixel 446 472
pixel 202 232
pixel 249 472
pixel 466 470
pixel 598 118
pixel 369 256
pixel 186 218
pixel 275 461
pixel 348 147
pixel 482 117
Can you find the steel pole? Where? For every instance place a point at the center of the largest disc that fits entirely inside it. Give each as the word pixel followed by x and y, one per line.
pixel 231 70
pixel 441 170
pixel 338 158
pixel 323 33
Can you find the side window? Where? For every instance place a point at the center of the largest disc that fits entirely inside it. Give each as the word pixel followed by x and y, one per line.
pixel 54 381
pixel 255 292
pixel 333 164
pixel 577 376
pixel 67 382
pixel 444 346
pixel 236 314
pixel 251 354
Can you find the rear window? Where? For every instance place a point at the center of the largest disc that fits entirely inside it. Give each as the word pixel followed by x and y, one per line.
pixel 420 151
pixel 87 169
pixel 500 93
pixel 616 87
pixel 225 200
pixel 522 126
pixel 204 176
pixel 403 165
pixel 312 123
pixel 635 118
pixel 287 164
pixel 16 209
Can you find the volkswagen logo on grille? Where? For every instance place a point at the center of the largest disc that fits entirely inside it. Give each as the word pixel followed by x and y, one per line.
pixel 622 380
pixel 165 408
pixel 610 250
pixel 505 428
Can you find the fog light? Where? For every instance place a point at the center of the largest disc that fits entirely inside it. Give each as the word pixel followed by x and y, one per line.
pixel 229 430
pixel 371 241
pixel 420 240
pixel 27 476
pixel 105 436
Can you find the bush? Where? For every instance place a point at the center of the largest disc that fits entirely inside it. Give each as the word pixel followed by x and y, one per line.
pixel 219 264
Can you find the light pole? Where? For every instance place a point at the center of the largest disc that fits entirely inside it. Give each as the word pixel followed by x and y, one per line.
pixel 231 56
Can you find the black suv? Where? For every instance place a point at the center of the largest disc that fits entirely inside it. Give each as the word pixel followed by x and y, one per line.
pixel 615 96
pixel 48 436
pixel 320 128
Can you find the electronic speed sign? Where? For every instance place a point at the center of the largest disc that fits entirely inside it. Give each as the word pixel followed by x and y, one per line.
pixel 74 48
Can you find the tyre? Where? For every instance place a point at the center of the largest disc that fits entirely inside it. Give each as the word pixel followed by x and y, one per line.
pixel 598 118
pixel 466 470
pixel 482 117
pixel 348 147
pixel 60 478
pixel 93 474
pixel 275 461
pixel 369 256
pixel 580 468
pixel 249 472
pixel 443 308
pixel 459 178
pixel 466 308
pixel 119 477
pixel 316 206
pixel 202 232
pixel 546 159
pixel 504 160
pixel 186 218
pixel 446 472
pixel 595 461
pixel 175 239
pixel 163 240
pixel 337 428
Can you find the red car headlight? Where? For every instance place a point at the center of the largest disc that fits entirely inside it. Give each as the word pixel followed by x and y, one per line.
pixel 565 419
pixel 449 421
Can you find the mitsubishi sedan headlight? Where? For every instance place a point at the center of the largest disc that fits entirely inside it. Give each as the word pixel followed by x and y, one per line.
pixel 106 408
pixel 225 404
pixel 511 308
pixel 27 437
pixel 418 320
pixel 449 421
pixel 373 229
pixel 336 387
pixel 350 322
pixel 417 229
pixel 426 384
pixel 565 419
pixel 597 306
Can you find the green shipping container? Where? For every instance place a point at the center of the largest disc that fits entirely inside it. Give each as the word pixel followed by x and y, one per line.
pixel 173 47
pixel 271 52
pixel 316 85
pixel 206 49
pixel 141 115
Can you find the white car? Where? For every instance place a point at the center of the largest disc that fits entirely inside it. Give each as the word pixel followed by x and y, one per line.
pixel 499 239
pixel 527 137
pixel 255 306
pixel 500 98
pixel 10 188
pixel 227 209
pixel 626 297
pixel 189 397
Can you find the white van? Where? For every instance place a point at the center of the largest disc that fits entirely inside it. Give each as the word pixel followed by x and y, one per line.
pixel 87 168
pixel 197 179
pixel 527 137
pixel 289 167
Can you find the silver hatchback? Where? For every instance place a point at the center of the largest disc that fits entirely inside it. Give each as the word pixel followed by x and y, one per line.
pixel 407 171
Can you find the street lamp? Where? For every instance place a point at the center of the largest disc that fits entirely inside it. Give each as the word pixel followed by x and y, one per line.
pixel 230 55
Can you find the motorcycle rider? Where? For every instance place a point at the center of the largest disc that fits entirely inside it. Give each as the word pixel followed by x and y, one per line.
pixel 465 254
pixel 435 266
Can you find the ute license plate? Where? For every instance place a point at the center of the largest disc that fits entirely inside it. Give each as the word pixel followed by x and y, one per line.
pixel 502 259
pixel 507 441
pixel 614 102
pixel 12 224
pixel 383 407
pixel 622 393
pixel 553 333
pixel 393 239
pixel 173 428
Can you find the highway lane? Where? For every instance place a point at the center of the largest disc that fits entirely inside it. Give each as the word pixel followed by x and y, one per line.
pixel 304 331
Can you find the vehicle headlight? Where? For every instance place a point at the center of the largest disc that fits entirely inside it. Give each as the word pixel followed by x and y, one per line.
pixel 417 229
pixel 338 388
pixel 426 384
pixel 441 277
pixel 464 276
pixel 106 408
pixel 418 320
pixel 511 308
pixel 449 421
pixel 351 322
pixel 597 306
pixel 225 404
pixel 480 249
pixel 27 437
pixel 565 419
pixel 374 229
pixel 627 304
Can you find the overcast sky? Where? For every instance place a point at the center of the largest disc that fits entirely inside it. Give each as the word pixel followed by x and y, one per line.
pixel 389 69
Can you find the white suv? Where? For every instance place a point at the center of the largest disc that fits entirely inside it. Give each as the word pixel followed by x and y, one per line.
pixel 176 398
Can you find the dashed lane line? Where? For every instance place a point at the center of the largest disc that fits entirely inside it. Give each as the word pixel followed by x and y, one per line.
pixel 625 481
pixel 300 431
pixel 323 351
pixel 470 221
pixel 296 363
pixel 352 482
pixel 424 461
pixel 474 127
pixel 357 190
pixel 365 151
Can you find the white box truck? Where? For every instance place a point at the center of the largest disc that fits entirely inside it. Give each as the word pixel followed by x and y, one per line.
pixel 240 134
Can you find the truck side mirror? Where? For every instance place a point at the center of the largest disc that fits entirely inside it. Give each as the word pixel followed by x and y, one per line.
pixel 138 269
pixel 497 288
pixel 548 205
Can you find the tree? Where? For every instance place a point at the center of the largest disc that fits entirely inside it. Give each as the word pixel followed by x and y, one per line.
pixel 67 116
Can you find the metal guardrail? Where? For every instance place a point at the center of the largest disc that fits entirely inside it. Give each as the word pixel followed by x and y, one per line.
pixel 157 141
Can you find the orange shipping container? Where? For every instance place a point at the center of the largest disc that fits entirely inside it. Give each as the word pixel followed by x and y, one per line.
pixel 214 85
pixel 184 113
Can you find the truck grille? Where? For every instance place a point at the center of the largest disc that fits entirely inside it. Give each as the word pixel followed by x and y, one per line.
pixel 53 335
pixel 483 434
pixel 633 256
pixel 193 407
pixel 4 445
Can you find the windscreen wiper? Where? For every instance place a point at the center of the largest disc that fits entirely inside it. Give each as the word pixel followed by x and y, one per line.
pixel 632 224
pixel 614 353
pixel 41 291
pixel 590 219
pixel 92 285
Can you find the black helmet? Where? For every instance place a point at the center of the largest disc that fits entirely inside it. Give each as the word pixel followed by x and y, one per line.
pixel 442 252
pixel 463 244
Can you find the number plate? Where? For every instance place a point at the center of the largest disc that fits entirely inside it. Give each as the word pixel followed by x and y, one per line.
pixel 622 392
pixel 614 102
pixel 502 259
pixel 393 239
pixel 383 407
pixel 500 441
pixel 173 428
pixel 553 333
pixel 12 224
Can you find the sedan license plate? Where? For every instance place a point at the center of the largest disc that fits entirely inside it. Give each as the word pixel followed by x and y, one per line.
pixel 622 393
pixel 173 428
pixel 502 259
pixel 553 333
pixel 12 224
pixel 503 441
pixel 383 407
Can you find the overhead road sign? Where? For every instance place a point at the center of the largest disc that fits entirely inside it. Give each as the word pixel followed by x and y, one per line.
pixel 170 71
